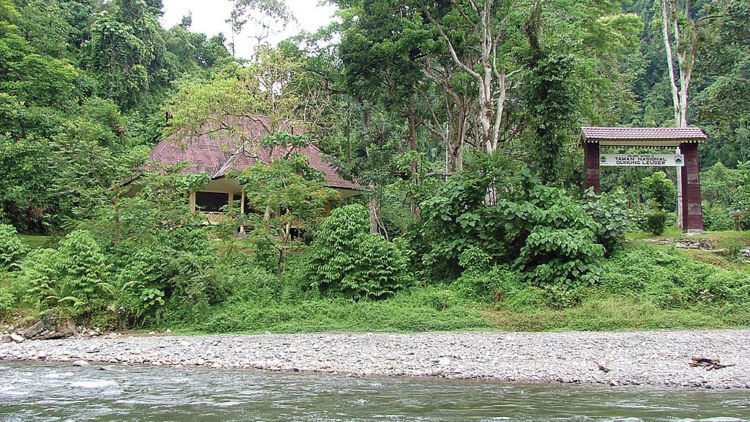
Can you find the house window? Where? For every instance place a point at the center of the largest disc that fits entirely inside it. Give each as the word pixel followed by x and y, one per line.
pixel 210 201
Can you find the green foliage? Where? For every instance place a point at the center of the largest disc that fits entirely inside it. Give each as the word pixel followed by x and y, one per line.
pixel 286 194
pixel 346 260
pixel 716 217
pixel 553 102
pixel 126 52
pixel 614 216
pixel 671 280
pixel 659 189
pixel 159 250
pixel 560 257
pixel 480 280
pixel 7 302
pixel 656 222
pixel 396 102
pixel 541 231
pixel 425 309
pixel 81 84
pixel 71 280
pixel 11 247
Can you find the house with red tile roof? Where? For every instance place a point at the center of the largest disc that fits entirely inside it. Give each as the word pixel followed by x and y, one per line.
pixel 216 154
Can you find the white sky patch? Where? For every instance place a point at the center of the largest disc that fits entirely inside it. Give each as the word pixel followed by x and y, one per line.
pixel 209 17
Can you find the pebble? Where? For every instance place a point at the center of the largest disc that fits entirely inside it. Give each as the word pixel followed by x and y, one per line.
pixel 650 358
pixel 80 363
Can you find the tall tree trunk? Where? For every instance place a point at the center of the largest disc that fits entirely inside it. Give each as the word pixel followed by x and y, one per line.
pixel 684 51
pixel 413 147
pixel 373 201
pixel 670 63
pixel 373 214
pixel 491 79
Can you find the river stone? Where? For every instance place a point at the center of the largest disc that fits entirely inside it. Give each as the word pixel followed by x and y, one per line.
pixel 80 363
pixel 17 338
pixel 6 339
pixel 34 330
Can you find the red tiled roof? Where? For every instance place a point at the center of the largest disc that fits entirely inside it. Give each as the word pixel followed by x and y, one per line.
pixel 216 156
pixel 643 133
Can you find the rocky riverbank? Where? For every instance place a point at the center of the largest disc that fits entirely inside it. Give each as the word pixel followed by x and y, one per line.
pixel 655 358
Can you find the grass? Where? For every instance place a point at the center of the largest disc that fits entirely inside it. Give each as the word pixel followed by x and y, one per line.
pixel 424 309
pixel 34 241
pixel 719 239
pixel 722 242
pixel 646 286
pixel 618 313
pixel 595 314
pixel 668 234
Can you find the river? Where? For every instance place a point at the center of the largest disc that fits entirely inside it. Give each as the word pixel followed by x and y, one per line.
pixel 59 391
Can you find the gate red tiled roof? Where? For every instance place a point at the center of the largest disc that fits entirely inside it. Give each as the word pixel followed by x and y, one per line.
pixel 218 155
pixel 688 134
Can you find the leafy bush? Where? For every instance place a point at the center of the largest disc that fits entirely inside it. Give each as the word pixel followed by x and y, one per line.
pixel 717 218
pixel 7 302
pixel 11 247
pixel 541 231
pixel 287 184
pixel 479 279
pixel 72 278
pixel 345 259
pixel 556 238
pixel 656 222
pixel 670 280
pixel 159 251
pixel 432 308
pixel 661 190
pixel 614 216
pixel 726 193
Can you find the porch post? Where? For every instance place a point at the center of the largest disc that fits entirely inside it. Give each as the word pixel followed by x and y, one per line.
pixel 242 209
pixel 591 165
pixel 191 201
pixel 692 213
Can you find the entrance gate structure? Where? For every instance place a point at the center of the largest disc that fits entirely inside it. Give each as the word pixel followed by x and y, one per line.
pixel 683 140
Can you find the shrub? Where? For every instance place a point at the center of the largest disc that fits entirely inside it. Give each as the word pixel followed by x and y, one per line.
pixel 656 222
pixel 717 218
pixel 7 302
pixel 479 279
pixel 72 279
pixel 541 231
pixel 671 280
pixel 660 189
pixel 556 238
pixel 11 247
pixel 345 259
pixel 615 219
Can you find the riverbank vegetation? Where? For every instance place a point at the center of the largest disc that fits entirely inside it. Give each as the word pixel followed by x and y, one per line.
pixel 471 213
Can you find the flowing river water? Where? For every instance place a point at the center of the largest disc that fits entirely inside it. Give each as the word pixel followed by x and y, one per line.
pixel 59 391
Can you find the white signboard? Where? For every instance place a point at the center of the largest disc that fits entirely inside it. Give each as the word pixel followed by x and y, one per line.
pixel 668 160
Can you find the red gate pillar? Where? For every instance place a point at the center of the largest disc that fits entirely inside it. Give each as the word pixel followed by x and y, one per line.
pixel 692 213
pixel 591 165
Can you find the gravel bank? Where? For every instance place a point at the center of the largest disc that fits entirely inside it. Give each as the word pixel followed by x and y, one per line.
pixel 656 358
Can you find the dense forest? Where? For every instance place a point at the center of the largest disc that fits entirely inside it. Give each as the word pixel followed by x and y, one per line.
pixel 459 119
